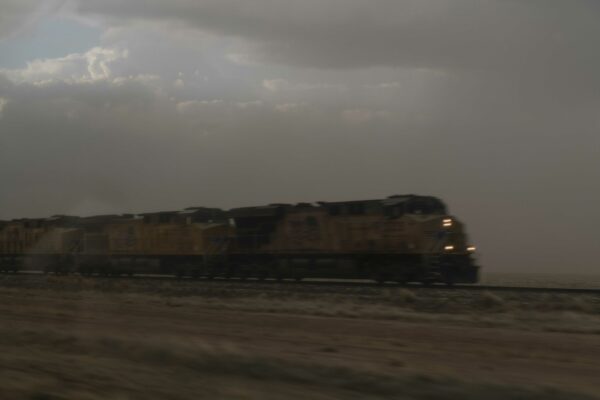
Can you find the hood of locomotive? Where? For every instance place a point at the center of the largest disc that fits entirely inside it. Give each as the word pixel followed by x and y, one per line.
pixel 452 254
pixel 445 234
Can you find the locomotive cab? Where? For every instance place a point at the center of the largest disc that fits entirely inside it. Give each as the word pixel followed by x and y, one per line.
pixel 456 260
pixel 398 205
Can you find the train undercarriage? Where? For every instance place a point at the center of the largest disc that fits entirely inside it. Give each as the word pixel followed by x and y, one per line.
pixel 427 269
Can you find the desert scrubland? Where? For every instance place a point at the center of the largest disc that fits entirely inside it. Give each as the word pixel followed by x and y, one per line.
pixel 86 338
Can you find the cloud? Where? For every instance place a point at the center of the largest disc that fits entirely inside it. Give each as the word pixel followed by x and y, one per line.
pixel 3 103
pixel 472 34
pixel 275 85
pixel 242 59
pixel 280 85
pixel 385 85
pixel 289 107
pixel 93 65
pixel 361 116
pixel 179 83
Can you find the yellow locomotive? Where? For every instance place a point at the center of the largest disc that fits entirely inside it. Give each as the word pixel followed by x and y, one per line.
pixel 401 238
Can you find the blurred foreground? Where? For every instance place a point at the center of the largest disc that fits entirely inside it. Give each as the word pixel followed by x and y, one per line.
pixel 74 338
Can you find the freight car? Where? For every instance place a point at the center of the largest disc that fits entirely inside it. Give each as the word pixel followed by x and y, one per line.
pixel 401 238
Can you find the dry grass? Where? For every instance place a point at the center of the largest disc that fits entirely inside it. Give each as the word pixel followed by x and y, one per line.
pixel 90 339
pixel 531 311
pixel 56 365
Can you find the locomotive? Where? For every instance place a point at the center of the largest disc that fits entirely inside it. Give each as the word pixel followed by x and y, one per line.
pixel 402 238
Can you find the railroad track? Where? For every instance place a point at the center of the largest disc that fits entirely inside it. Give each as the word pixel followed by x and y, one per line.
pixel 335 283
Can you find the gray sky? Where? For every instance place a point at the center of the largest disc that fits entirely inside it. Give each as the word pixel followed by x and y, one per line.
pixel 142 105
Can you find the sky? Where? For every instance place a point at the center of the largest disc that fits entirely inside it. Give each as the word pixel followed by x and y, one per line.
pixel 113 106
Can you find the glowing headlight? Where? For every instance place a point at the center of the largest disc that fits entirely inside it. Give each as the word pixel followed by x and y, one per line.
pixel 447 222
pixel 471 249
pixel 449 248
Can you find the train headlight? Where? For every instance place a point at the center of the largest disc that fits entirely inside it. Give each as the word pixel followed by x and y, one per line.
pixel 471 249
pixel 449 248
pixel 447 222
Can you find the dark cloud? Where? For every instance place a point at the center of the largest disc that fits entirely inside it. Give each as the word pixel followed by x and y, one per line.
pixel 493 34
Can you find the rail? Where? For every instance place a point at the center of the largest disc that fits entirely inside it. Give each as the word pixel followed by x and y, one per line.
pixel 341 283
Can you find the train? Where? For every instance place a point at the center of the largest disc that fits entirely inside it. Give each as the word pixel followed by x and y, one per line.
pixel 401 238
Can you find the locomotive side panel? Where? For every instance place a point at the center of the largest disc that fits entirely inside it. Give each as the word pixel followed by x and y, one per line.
pixel 171 239
pixel 124 237
pixel 314 231
pixel 35 245
pixel 57 241
pixel 302 231
pixel 400 238
pixel 18 239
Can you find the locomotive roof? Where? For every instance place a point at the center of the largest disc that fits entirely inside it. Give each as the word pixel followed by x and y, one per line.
pixel 259 211
pixel 103 219
pixel 395 199
pixel 276 210
pixel 159 213
pixel 271 210
pixel 105 216
pixel 325 203
pixel 200 210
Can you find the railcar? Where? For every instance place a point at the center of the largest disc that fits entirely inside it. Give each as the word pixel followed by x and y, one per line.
pixel 174 242
pixel 45 244
pixel 402 238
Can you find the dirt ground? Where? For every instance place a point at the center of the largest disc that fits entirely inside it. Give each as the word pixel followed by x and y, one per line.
pixel 123 344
